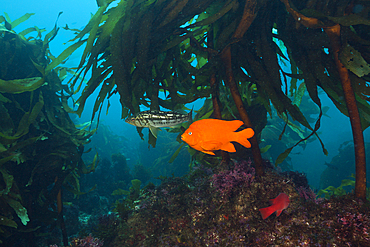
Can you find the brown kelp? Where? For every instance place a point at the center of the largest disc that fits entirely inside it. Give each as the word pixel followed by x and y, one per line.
pixel 180 48
pixel 40 147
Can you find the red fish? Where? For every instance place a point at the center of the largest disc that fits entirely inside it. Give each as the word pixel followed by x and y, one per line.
pixel 280 203
pixel 208 135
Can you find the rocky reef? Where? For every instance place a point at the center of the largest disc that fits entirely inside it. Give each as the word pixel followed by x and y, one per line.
pixel 211 207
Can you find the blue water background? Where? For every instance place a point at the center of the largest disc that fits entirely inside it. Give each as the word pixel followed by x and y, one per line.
pixel 334 130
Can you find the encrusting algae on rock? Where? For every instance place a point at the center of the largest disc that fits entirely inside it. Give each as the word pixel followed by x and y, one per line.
pixel 209 207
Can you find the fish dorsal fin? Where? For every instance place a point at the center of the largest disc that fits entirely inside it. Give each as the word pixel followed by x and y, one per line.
pixel 154 130
pixel 232 125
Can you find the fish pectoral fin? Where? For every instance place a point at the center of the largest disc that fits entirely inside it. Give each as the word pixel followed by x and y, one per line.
pixel 211 145
pixel 229 147
pixel 278 212
pixel 154 130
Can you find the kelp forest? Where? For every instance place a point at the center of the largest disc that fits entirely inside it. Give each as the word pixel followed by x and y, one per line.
pixel 265 62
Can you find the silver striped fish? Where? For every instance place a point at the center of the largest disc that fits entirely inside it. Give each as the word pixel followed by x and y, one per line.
pixel 156 119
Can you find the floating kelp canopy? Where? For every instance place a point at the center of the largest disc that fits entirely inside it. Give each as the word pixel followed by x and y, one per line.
pixel 40 147
pixel 152 46
pixel 190 49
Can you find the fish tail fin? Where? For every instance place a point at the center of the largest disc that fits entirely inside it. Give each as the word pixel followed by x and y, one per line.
pixel 266 212
pixel 242 137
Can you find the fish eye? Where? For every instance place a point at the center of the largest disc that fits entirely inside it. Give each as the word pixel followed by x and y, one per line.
pixel 190 133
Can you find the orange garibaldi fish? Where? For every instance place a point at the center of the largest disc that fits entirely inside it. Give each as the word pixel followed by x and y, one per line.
pixel 208 135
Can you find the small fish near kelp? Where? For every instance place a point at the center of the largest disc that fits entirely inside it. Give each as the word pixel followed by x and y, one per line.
pixel 208 135
pixel 280 203
pixel 156 119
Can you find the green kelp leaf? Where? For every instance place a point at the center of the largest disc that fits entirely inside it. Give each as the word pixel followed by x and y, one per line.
pixel 21 85
pixel 4 99
pixel 299 94
pixel 39 32
pixel 98 76
pixel 7 222
pixel 19 209
pixel 7 18
pixel 108 106
pixel 364 110
pixel 36 109
pixel 22 144
pixel 6 27
pixel 2 148
pixel 66 107
pixel 52 34
pixel 294 111
pixel 174 12
pixel 103 94
pixel 94 163
pixel 347 182
pixel 103 2
pixel 176 153
pixel 76 192
pixel 29 30
pixel 8 179
pixel 353 60
pixel 73 180
pixel 88 169
pixel 283 156
pixel 215 17
pixel 96 18
pixel 265 149
pixel 326 194
pixel 296 129
pixel 136 183
pixel 6 123
pixel 21 19
pixel 105 33
pixel 175 41
pixel 29 117
pixel 63 56
pixel 361 87
pixel 350 20
pixel 92 35
pixel 278 50
pixel 6 139
pixel 2 19
pixel 120 192
pixel 39 67
pixel 331 190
